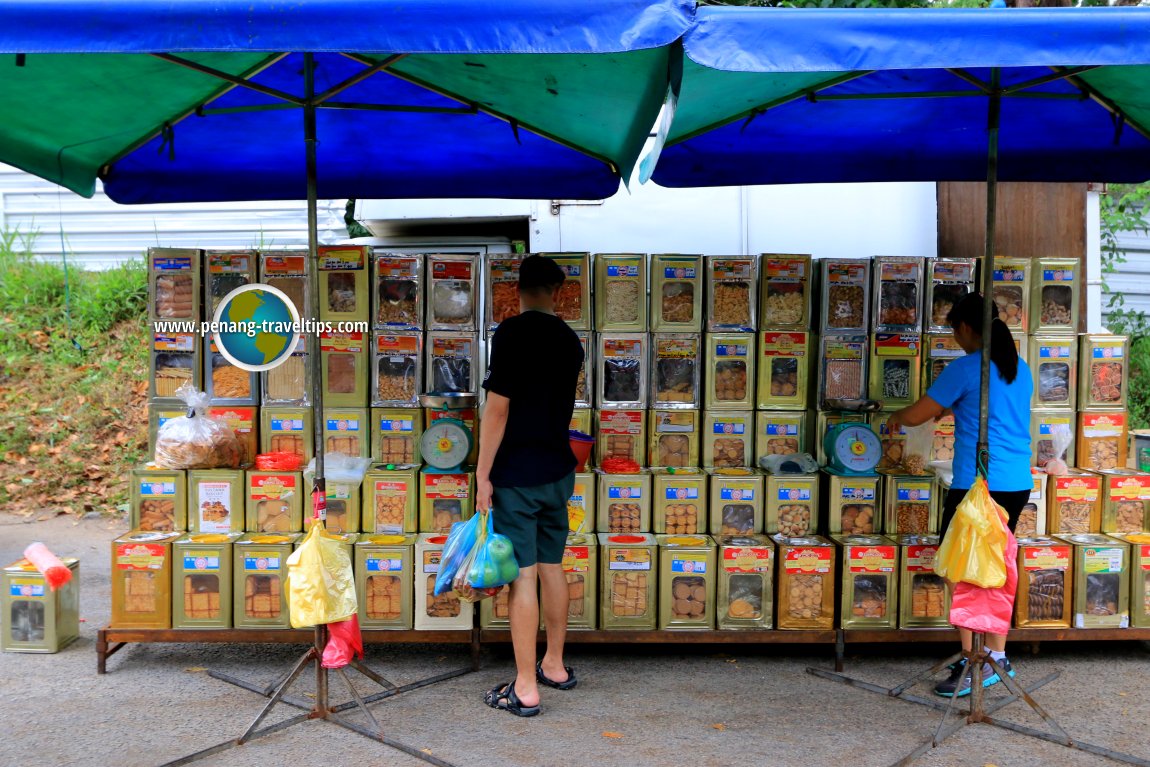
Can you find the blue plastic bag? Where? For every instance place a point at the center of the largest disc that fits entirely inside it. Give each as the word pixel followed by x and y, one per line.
pixel 461 541
pixel 494 564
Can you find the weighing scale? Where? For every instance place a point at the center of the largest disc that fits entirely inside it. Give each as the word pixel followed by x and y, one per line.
pixel 447 441
pixel 852 449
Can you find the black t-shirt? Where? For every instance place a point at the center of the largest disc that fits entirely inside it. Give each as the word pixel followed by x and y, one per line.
pixel 535 362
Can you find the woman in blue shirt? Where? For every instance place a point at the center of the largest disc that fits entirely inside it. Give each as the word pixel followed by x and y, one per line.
pixel 957 389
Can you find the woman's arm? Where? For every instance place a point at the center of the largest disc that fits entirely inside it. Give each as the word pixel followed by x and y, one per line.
pixel 920 412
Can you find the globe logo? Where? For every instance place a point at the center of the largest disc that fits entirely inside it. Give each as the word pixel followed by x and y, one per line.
pixel 261 327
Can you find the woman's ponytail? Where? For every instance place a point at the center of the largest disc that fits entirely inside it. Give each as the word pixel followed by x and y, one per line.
pixel 1003 352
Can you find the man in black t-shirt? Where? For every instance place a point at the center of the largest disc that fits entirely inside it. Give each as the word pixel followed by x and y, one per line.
pixel 526 473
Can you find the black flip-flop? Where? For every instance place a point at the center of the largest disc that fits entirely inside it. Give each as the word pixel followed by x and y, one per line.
pixel 569 684
pixel 502 696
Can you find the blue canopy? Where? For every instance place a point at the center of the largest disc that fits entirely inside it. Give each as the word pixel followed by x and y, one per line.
pixel 201 100
pixel 774 96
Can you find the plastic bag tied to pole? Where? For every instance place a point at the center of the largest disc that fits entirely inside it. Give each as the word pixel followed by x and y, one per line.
pixel 55 572
pixel 344 644
pixel 321 588
pixel 974 548
pixel 476 562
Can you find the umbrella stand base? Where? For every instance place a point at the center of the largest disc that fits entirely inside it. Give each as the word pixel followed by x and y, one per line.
pixel 277 692
pixel 977 712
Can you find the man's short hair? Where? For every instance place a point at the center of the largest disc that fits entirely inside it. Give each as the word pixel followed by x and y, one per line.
pixel 538 274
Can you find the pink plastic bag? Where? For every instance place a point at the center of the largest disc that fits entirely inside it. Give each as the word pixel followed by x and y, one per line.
pixel 988 610
pixel 344 644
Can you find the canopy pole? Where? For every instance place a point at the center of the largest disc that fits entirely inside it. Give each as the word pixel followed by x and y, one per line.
pixel 995 105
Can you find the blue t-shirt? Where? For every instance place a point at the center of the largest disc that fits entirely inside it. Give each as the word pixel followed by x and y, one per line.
pixel 958 388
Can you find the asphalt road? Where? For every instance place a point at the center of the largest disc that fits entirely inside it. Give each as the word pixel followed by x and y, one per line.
pixel 635 705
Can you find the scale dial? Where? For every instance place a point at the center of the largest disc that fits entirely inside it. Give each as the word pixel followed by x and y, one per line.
pixel 446 443
pixel 853 448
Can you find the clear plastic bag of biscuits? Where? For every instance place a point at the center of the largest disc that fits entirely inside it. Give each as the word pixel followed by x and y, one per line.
pixel 195 441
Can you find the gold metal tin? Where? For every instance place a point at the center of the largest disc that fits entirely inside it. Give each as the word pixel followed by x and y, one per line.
pixel 582 420
pixel 342 512
pixel 274 501
pixel 347 431
pixel 344 292
pixel 942 444
pixel 581 568
pixel 1104 368
pixel 824 420
pixel 345 368
pixel 924 599
pixel 624 503
pixel 574 304
pixel 174 284
pixel 792 505
pixel 1054 361
pixel 444 499
pixel 1032 521
pixel 806 579
pixel 893 443
pixel 36 618
pixel 384 572
pixel 620 434
pixel 728 439
pixel 585 387
pixel 1012 280
pixel 1139 578
pixel 732 293
pixel 1045 585
pixel 1102 439
pixel 289 271
pixel 869 570
pixel 781 432
pixel 395 435
pixel 216 501
pixel 500 288
pixel 842 368
pixel 730 376
pixel 397 296
pixel 396 369
pixel 1055 295
pixel 452 362
pixel 1045 426
pixel 680 501
pixel 260 574
pixel 621 292
pixel 736 501
pixel 453 292
pixel 622 368
pixel 686 582
pixel 939 350
pixel 390 500
pixel 202 581
pixel 225 383
pixel 289 383
pixel 853 503
pixel 1125 501
pixel 845 290
pixel 1074 503
pixel 142 580
pixel 581 504
pixel 287 430
pixel 242 420
pixel 159 499
pixel 895 369
pixel 226 271
pixel 784 370
pixel 676 371
pixel 433 613
pixel 911 504
pixel 746 566
pixel 627 568
pixel 785 288
pixel 673 438
pixel 947 281
pixel 174 361
pixel 676 293
pixel 898 294
pixel 1101 581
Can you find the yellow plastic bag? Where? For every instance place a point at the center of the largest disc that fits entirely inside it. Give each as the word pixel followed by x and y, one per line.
pixel 321 587
pixel 974 548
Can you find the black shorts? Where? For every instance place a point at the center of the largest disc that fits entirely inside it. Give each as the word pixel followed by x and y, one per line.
pixel 535 519
pixel 1012 501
